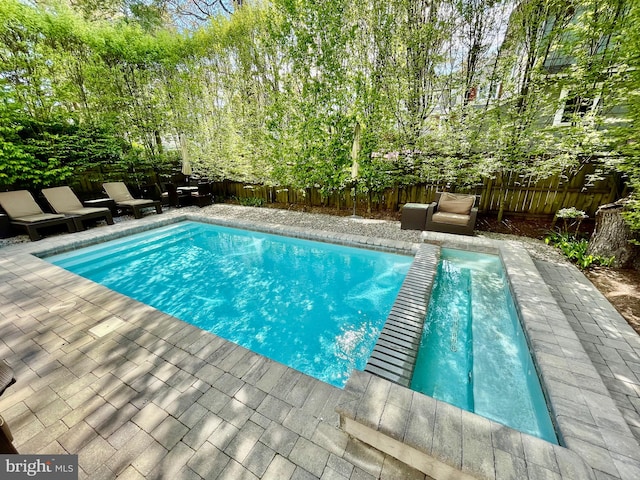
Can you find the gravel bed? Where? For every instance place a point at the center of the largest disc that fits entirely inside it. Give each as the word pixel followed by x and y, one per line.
pixel 341 224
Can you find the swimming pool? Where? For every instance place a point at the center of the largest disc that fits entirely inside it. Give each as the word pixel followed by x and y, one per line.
pixel 473 353
pixel 316 307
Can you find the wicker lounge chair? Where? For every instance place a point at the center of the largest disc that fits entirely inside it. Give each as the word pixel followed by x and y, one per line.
pixel 6 438
pixel 63 200
pixel 119 193
pixel 6 377
pixel 452 213
pixel 25 213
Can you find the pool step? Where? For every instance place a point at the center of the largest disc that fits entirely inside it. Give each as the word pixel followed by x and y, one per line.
pixel 95 258
pixel 393 357
pixel 445 360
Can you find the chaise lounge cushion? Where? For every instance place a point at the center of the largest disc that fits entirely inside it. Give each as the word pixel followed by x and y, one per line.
pixel 455 204
pixel 119 193
pixel 20 206
pixel 25 212
pixel 63 200
pixel 87 211
pixel 134 201
pixel 452 213
pixel 38 217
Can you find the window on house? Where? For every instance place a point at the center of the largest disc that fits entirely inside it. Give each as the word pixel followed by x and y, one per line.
pixel 573 107
pixel 490 91
pixel 472 93
pixel 576 106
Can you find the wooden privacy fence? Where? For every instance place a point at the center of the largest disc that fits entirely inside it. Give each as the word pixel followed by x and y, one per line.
pixel 515 195
pixel 509 194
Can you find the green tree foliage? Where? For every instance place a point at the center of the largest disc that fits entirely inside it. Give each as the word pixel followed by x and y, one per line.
pixel 440 90
pixel 16 164
pixel 44 153
pixel 625 85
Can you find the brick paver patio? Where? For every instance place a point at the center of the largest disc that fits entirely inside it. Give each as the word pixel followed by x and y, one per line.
pixel 139 394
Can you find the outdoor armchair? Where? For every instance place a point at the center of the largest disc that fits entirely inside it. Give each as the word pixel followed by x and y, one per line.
pixel 204 195
pixel 453 213
pixel 174 197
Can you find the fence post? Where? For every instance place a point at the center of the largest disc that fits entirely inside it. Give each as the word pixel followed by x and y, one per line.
pixel 486 194
pixel 501 196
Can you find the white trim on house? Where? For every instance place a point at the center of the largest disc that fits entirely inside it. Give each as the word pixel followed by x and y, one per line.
pixel 558 118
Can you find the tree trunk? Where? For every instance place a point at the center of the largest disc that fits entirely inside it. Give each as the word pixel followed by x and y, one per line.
pixel 611 236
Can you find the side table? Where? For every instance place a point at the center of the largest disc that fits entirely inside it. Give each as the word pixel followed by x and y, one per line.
pixel 102 202
pixel 414 216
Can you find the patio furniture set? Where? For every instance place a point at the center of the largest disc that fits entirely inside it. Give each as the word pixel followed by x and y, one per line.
pixel 24 212
pixel 450 213
pixel 200 195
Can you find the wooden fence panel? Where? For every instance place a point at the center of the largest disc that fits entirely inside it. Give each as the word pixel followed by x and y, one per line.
pixel 510 192
pixel 517 195
pixel 282 195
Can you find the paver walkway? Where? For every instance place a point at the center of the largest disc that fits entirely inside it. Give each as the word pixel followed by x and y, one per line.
pixel 612 345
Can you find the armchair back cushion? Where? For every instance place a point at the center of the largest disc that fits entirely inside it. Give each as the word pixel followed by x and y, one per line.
pixel 452 203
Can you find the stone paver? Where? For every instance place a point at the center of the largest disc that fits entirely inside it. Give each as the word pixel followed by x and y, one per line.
pixel 155 396
pixel 614 348
pixel 441 439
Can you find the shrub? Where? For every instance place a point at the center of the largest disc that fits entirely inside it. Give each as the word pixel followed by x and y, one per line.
pixel 571 215
pixel 251 201
pixel 576 251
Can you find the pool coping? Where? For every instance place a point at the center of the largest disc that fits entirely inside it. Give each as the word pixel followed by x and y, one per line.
pixel 148 223
pixel 444 441
pixel 344 240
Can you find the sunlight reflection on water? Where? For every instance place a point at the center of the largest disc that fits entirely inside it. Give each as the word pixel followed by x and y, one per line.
pixel 316 307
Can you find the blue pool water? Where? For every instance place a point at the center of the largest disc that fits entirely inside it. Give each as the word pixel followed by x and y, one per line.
pixel 473 352
pixel 313 306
